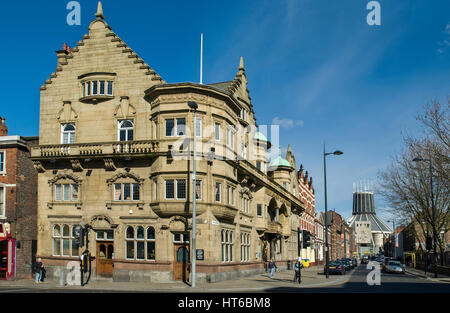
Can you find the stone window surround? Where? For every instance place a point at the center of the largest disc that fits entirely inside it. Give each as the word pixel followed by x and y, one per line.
pixel 126 177
pixel 65 179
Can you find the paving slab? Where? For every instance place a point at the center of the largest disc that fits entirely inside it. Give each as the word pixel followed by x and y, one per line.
pixel 311 278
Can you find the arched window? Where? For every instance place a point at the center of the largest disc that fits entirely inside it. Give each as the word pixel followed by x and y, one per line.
pixel 64 241
pixel 143 243
pixel 151 244
pixel 140 243
pixel 68 134
pixel 130 243
pixel 126 130
pixel 227 246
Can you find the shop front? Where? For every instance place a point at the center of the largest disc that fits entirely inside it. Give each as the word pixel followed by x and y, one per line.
pixel 7 252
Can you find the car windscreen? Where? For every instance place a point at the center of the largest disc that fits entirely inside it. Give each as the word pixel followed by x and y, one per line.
pixel 396 263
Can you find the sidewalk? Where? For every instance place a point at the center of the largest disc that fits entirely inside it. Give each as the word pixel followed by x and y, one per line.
pixel 429 276
pixel 311 278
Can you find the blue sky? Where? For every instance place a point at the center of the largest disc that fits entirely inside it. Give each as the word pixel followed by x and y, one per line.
pixel 316 66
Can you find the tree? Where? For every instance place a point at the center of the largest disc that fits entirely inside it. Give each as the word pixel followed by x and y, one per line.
pixel 405 184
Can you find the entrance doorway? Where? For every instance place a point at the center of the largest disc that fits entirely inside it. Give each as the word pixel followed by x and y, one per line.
pixel 181 268
pixel 105 255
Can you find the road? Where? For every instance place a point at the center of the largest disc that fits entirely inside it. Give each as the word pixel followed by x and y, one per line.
pixel 389 283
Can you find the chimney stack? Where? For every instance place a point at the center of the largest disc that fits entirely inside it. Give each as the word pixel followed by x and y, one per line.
pixel 62 55
pixel 3 128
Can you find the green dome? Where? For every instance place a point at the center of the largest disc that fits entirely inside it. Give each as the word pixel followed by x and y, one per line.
pixel 279 162
pixel 259 136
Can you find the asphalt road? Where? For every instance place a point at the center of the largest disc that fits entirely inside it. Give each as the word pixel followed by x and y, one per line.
pixel 388 283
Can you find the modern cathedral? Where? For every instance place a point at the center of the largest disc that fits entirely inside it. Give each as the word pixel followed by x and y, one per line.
pixel 115 152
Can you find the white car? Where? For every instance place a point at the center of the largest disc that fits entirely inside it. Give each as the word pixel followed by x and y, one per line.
pixel 394 267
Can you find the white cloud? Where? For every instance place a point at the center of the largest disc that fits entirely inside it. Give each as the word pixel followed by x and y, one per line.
pixel 287 123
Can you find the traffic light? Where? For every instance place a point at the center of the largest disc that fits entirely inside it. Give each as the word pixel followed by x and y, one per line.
pixel 79 236
pixel 306 239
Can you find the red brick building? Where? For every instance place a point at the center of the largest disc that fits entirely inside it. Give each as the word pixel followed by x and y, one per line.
pixel 341 241
pixel 308 217
pixel 18 205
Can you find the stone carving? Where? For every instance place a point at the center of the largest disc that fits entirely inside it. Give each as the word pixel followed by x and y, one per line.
pixel 124 174
pixel 67 113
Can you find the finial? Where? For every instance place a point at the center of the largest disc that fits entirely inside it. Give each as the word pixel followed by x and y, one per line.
pixel 241 64
pixel 99 13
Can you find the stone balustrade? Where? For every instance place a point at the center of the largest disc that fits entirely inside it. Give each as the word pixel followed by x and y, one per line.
pixel 95 149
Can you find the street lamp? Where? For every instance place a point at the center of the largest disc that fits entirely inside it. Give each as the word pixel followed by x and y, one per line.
pixel 394 254
pixel 433 211
pixel 194 106
pixel 325 154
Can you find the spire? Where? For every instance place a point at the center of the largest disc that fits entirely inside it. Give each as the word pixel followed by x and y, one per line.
pixel 241 65
pixel 99 13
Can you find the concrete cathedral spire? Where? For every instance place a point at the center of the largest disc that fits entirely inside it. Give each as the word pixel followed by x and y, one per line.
pixel 99 13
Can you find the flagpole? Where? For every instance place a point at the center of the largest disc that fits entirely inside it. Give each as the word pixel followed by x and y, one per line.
pixel 201 61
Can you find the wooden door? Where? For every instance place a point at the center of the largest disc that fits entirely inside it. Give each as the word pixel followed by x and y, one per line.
pixel 181 268
pixel 105 253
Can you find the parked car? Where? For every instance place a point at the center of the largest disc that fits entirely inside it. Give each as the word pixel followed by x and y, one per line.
pixel 394 267
pixel 385 262
pixel 350 261
pixel 346 264
pixel 334 267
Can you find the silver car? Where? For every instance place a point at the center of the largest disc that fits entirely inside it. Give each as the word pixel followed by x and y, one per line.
pixel 394 267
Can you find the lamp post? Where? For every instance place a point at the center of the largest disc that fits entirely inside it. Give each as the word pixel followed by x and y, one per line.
pixel 325 154
pixel 194 106
pixel 394 254
pixel 433 212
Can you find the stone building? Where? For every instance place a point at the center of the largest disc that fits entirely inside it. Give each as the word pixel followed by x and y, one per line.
pixel 115 152
pixel 18 205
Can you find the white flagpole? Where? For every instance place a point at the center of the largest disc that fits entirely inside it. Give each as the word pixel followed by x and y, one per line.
pixel 201 62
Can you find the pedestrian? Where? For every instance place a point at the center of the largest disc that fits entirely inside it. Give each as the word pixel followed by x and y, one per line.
pixel 272 267
pixel 38 270
pixel 298 271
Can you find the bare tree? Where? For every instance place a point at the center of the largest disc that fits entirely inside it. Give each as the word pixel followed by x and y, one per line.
pixel 406 184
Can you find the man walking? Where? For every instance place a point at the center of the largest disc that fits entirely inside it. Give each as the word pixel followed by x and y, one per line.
pixel 38 270
pixel 272 267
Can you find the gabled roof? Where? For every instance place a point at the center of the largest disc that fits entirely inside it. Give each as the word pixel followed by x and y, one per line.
pixel 70 53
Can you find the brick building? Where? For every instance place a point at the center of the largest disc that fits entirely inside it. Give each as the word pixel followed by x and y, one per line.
pixel 341 240
pixel 307 219
pixel 18 205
